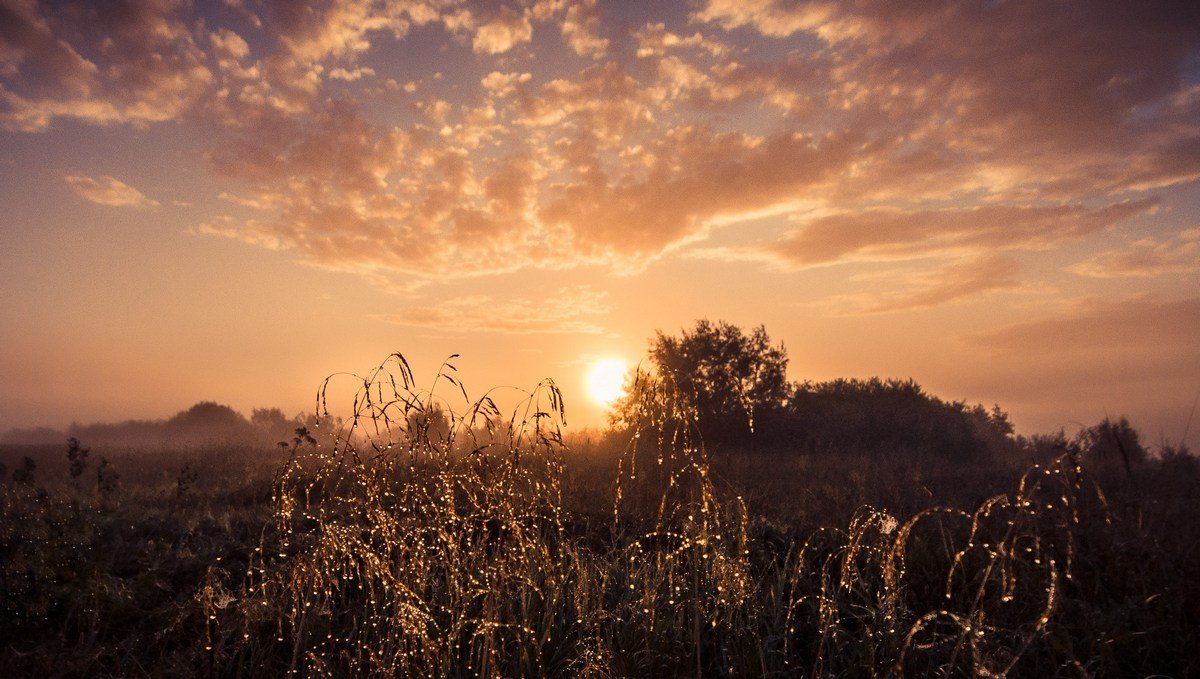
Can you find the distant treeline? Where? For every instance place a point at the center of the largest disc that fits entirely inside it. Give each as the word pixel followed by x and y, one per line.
pixel 736 385
pixel 876 417
pixel 206 423
pixel 885 416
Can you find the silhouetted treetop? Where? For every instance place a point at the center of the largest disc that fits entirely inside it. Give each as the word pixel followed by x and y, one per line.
pixel 728 378
pixel 1111 441
pixel 208 420
pixel 875 415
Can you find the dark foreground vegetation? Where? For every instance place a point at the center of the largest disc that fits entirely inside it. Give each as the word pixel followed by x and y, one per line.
pixel 417 540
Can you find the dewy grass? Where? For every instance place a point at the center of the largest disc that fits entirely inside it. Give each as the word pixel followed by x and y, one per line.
pixel 415 540
pixel 419 538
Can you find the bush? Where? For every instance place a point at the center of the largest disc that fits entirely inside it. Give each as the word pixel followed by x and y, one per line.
pixel 886 417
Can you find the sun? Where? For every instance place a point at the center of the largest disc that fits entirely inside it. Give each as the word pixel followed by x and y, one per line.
pixel 606 380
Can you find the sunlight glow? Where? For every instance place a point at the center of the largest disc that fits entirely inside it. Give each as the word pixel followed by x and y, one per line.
pixel 606 380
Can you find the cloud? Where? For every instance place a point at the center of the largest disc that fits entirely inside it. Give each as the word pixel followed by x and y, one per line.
pixel 248 232
pixel 788 86
pixel 1076 94
pixel 654 40
pixel 896 291
pixel 899 234
pixel 692 176
pixel 304 46
pixel 153 60
pixel 351 75
pixel 143 65
pixel 34 54
pixel 1145 258
pixel 503 84
pixel 357 194
pixel 343 200
pixel 563 136
pixel 313 32
pixel 581 28
pixel 1138 324
pixel 570 311
pixel 603 101
pixel 108 191
pixel 507 29
pixel 773 18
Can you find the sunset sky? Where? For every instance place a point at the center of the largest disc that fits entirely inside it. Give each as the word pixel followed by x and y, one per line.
pixel 228 200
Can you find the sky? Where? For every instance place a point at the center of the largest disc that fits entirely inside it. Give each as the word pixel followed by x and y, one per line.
pixel 229 200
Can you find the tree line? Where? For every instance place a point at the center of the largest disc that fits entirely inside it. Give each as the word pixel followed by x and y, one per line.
pixel 734 384
pixel 205 423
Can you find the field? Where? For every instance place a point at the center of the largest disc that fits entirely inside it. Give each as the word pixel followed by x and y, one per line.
pixel 414 540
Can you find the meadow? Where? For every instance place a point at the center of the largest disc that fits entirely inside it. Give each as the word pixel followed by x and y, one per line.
pixel 410 538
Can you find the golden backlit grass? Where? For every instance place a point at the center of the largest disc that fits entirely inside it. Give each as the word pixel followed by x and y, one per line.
pixel 411 538
pixel 421 541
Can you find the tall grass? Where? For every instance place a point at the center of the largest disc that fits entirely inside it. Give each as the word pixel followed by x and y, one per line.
pixel 425 533
pixel 418 540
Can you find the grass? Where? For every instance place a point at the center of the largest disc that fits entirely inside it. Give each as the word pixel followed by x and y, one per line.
pixel 425 538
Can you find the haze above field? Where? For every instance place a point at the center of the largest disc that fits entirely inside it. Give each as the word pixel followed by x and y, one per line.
pixel 232 200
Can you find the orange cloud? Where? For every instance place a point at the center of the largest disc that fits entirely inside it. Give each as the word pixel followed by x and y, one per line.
pixel 507 29
pixel 961 280
pixel 1147 257
pixel 1076 96
pixel 1133 324
pixel 569 311
pixel 773 18
pixel 581 28
pixel 654 40
pixel 911 128
pixel 693 176
pixel 108 191
pixel 147 66
pixel 899 234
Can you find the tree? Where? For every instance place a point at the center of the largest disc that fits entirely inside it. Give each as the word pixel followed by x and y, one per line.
pixel 880 417
pixel 207 422
pixel 732 387
pixel 271 425
pixel 729 381
pixel 1110 441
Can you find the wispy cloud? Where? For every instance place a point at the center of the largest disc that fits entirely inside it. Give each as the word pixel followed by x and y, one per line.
pixel 959 281
pixel 1147 257
pixel 576 310
pixel 899 234
pixel 107 190
pixel 1136 323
